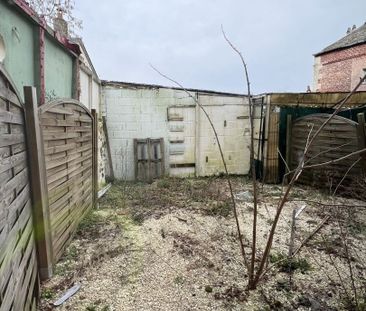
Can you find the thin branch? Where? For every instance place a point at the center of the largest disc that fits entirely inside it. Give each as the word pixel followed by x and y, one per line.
pixel 345 175
pixel 349 264
pixel 326 151
pixel 343 284
pixel 311 235
pixel 336 160
pixel 327 274
pixel 298 171
pixel 222 158
pixel 283 160
pixel 345 100
pixel 326 204
pixel 252 162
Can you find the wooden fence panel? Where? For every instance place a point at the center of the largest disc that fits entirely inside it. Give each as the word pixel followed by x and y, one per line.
pixel 67 134
pixel 337 139
pixel 18 267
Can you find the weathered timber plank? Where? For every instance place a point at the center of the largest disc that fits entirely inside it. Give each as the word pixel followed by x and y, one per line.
pixel 17 182
pixel 51 136
pixel 69 183
pixel 61 111
pixel 60 148
pixel 11 117
pixel 57 214
pixel 9 162
pixel 11 139
pixel 62 154
pixel 72 159
pixel 70 172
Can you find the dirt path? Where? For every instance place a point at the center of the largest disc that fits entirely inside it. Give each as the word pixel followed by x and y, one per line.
pixel 172 245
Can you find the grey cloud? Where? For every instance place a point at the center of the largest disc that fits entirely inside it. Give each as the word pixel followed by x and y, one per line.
pixel 183 39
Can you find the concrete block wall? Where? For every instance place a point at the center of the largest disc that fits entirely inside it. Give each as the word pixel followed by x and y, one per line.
pixel 340 71
pixel 230 117
pixel 134 113
pixel 156 112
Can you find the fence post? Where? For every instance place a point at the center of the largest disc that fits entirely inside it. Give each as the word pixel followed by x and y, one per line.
pixel 362 138
pixel 95 157
pixel 41 214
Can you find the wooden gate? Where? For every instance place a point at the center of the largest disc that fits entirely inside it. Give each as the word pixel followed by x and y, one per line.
pixel 339 138
pixel 18 267
pixel 149 159
pixel 67 138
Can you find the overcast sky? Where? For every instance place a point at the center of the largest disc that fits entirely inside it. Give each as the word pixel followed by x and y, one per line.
pixel 183 39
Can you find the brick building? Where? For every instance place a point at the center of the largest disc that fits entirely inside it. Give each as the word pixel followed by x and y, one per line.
pixel 339 66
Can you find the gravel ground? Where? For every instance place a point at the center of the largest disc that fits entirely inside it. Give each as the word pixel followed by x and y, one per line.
pixel 172 245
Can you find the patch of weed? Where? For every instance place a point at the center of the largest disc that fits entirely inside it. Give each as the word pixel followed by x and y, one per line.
pixel 357 227
pixel 350 304
pixel 287 264
pixel 220 209
pixel 71 253
pixel 179 280
pixel 47 293
pixel 163 183
pixel 116 196
pixel 90 221
pixel 137 218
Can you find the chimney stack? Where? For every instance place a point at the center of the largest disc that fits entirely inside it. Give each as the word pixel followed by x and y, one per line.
pixel 348 30
pixel 353 27
pixel 60 25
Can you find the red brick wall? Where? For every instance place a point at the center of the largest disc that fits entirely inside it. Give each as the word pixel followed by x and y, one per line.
pixel 340 71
